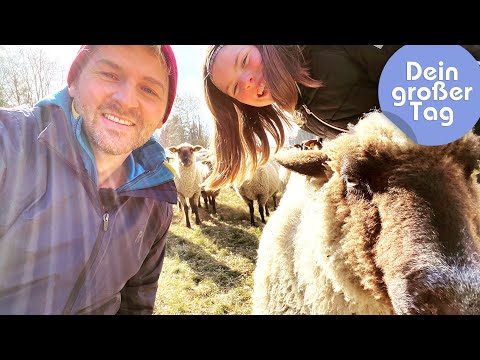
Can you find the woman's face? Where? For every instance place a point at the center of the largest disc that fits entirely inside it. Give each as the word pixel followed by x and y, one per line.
pixel 237 71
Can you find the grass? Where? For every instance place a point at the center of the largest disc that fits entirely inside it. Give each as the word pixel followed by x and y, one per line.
pixel 208 269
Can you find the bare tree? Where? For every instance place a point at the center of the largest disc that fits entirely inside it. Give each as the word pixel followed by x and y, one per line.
pixel 3 96
pixel 172 133
pixel 184 124
pixel 26 75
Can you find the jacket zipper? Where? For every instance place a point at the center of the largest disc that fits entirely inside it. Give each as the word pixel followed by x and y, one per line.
pixel 309 112
pixel 81 278
pixel 105 221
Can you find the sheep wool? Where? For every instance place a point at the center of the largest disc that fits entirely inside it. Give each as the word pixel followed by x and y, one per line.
pixel 363 228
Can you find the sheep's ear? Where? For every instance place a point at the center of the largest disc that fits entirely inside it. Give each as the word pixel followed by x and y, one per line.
pixel 311 163
pixel 466 151
pixel 172 149
pixel 197 148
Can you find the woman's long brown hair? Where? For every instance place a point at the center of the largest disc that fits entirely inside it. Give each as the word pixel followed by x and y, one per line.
pixel 240 139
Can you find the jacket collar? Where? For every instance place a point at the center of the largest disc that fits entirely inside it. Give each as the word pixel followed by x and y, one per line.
pixel 59 134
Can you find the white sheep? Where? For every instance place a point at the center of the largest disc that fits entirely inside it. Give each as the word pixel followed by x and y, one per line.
pixel 283 172
pixel 188 178
pixel 263 185
pixel 376 224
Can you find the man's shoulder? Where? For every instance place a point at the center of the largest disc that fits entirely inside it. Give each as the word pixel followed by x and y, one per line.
pixel 22 111
pixel 28 118
pixel 19 128
pixel 16 120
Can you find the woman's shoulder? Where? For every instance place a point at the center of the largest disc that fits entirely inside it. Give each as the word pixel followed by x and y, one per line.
pixel 356 52
pixel 333 65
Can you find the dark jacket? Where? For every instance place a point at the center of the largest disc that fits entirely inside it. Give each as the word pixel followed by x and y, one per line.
pixel 66 248
pixel 350 74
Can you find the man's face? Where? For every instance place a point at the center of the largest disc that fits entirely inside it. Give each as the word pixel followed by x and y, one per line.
pixel 122 95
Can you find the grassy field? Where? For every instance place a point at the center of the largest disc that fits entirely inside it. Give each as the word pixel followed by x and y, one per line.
pixel 208 269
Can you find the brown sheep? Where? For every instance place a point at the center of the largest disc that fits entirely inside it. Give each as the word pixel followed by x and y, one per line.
pixel 378 225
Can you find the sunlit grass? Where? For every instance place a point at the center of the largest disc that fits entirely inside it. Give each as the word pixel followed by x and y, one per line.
pixel 208 269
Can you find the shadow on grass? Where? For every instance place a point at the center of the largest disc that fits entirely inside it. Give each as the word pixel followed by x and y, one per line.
pixel 240 215
pixel 231 208
pixel 228 228
pixel 203 264
pixel 232 238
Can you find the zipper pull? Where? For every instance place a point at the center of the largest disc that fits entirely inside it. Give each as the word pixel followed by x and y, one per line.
pixel 309 112
pixel 105 221
pixel 307 109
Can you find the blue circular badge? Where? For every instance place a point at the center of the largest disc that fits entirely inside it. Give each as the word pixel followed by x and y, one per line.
pixel 431 92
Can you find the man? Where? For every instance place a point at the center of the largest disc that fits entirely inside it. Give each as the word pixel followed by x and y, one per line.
pixel 86 191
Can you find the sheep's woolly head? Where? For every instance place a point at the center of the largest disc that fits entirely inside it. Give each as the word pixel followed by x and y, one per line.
pixel 374 136
pixel 186 153
pixel 406 216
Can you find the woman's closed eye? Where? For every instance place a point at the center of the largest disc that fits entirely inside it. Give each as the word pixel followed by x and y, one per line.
pixel 243 64
pixel 244 61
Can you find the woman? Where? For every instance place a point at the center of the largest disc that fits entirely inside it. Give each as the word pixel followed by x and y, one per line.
pixel 253 90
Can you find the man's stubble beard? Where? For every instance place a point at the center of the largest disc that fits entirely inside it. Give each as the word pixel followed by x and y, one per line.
pixel 110 141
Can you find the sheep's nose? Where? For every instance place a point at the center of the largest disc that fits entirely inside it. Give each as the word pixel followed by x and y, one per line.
pixel 437 294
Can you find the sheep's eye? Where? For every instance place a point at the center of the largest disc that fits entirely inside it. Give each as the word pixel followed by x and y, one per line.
pixel 357 188
pixel 476 169
pixel 351 181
